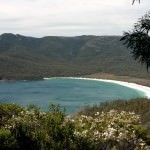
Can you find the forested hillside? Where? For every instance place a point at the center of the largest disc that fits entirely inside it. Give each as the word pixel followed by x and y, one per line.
pixel 34 58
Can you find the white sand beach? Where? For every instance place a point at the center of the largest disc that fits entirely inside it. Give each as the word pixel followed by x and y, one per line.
pixel 144 89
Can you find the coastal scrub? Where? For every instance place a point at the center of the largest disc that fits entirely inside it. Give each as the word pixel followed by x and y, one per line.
pixel 29 128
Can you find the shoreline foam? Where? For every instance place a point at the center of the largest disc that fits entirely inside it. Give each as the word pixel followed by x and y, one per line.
pixel 141 88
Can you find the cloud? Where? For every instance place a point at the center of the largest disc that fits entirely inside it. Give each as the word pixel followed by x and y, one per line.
pixel 69 17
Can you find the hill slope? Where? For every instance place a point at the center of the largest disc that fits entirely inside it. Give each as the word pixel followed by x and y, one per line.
pixel 33 58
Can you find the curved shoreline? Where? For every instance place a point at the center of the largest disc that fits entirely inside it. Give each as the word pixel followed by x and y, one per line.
pixel 144 89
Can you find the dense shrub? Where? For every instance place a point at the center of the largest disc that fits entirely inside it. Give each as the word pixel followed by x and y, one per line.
pixel 31 129
pixel 140 106
pixel 111 130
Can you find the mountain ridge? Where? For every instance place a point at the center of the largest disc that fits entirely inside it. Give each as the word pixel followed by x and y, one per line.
pixel 23 57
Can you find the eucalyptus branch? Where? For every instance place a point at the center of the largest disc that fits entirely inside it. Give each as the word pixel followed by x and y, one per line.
pixel 135 0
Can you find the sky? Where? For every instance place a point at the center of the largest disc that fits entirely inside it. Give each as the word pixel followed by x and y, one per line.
pixel 40 18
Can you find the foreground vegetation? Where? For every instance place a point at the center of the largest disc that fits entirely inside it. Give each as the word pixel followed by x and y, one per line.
pixel 141 106
pixel 115 125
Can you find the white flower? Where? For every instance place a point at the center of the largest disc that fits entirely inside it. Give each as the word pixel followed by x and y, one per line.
pixel 97 113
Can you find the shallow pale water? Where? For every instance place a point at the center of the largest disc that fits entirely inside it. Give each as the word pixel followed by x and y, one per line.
pixel 73 94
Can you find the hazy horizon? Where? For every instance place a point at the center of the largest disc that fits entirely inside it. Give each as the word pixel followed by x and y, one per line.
pixel 56 35
pixel 39 18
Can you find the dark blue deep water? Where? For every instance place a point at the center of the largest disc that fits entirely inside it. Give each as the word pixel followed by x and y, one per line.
pixel 73 94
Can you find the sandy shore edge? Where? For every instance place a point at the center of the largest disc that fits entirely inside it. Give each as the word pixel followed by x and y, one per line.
pixel 144 89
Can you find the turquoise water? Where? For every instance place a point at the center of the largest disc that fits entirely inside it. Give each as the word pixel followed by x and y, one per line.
pixel 73 94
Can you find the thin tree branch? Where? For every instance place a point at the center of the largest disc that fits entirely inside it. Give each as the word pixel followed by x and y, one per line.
pixel 135 0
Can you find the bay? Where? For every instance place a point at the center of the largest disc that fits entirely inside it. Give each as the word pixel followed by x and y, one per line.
pixel 71 94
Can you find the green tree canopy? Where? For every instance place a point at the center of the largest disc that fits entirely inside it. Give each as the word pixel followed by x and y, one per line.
pixel 139 40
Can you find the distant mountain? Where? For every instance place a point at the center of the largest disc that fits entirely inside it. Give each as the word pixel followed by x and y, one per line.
pixel 24 57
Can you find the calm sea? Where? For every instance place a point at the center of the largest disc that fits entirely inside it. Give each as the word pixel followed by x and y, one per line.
pixel 73 94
